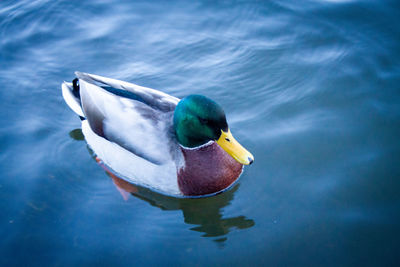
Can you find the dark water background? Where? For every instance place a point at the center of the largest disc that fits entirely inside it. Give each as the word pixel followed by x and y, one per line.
pixel 312 88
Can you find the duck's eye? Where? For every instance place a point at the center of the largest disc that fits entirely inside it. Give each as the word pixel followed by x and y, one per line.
pixel 227 139
pixel 203 121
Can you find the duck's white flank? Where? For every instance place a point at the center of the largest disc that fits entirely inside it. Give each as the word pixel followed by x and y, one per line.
pixel 135 169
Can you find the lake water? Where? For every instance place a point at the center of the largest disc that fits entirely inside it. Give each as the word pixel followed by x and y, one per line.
pixel 311 88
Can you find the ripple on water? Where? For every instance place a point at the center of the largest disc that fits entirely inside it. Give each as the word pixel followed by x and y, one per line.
pixel 310 89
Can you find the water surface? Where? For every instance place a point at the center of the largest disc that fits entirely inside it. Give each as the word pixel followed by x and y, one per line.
pixel 311 88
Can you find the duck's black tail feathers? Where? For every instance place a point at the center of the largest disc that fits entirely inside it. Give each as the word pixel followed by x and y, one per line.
pixel 72 97
pixel 75 88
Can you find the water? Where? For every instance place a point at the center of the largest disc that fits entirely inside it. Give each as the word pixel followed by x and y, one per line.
pixel 310 88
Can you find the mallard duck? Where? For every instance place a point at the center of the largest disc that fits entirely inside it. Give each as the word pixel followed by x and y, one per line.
pixel 178 147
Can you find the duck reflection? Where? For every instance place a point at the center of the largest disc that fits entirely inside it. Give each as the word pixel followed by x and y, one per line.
pixel 204 213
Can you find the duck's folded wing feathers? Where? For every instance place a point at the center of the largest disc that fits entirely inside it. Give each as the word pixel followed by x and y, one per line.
pixel 151 97
pixel 132 124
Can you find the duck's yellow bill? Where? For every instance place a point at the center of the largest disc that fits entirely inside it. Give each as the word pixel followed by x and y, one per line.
pixel 233 148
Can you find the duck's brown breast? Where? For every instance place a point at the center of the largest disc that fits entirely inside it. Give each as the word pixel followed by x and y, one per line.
pixel 207 170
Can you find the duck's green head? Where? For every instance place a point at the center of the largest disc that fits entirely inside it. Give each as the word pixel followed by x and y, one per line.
pixel 198 120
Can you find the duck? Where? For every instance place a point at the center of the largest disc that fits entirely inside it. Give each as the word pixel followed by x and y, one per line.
pixel 176 147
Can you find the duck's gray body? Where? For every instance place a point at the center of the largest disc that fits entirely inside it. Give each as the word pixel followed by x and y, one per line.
pixel 129 128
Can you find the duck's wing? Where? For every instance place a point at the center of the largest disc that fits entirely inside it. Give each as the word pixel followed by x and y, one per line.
pixel 136 118
pixel 153 98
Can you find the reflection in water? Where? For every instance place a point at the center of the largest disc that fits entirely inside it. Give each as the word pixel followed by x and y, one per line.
pixel 204 213
pixel 77 134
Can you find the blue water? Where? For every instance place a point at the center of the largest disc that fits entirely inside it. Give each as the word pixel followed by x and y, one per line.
pixel 311 88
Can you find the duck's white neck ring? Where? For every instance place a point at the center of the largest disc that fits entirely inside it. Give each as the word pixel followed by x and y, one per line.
pixel 209 143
